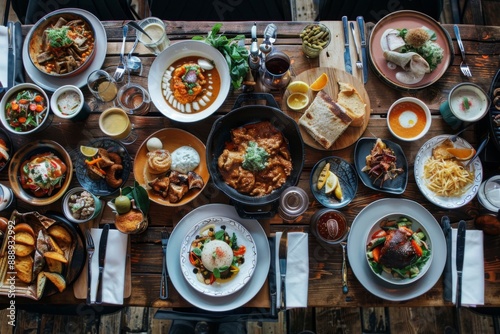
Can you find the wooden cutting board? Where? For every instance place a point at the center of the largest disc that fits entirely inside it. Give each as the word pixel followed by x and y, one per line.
pixel 333 54
pixel 335 75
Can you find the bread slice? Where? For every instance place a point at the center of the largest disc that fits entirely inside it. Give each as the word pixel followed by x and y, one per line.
pixel 325 120
pixel 352 102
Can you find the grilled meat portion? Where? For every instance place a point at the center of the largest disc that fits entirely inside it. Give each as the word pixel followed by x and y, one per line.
pixel 397 251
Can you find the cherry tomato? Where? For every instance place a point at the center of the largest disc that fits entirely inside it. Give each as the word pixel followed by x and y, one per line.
pixel 240 251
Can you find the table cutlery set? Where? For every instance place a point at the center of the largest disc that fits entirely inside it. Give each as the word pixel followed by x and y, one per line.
pixel 283 250
pixel 164 273
pixel 463 65
pixel 361 60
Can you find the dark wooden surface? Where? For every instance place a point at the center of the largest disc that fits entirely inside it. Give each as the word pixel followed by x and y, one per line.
pixel 483 48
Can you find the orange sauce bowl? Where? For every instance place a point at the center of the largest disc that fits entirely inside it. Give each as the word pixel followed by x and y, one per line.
pixel 409 119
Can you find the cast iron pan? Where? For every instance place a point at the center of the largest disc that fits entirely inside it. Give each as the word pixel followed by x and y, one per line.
pixel 250 206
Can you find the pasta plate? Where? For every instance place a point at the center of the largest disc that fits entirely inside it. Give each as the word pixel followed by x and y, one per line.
pixel 451 202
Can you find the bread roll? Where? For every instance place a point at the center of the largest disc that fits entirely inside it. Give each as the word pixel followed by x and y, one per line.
pixel 159 161
pixel 325 120
pixel 353 104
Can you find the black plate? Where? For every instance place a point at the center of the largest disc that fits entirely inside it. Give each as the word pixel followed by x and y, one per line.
pixel 397 185
pixel 347 178
pixel 6 138
pixel 100 187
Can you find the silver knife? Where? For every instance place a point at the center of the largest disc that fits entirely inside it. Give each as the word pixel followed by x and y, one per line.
pixel 347 53
pixel 282 261
pixel 361 29
pixel 11 57
pixel 102 256
pixel 272 277
pixel 460 260
pixel 448 281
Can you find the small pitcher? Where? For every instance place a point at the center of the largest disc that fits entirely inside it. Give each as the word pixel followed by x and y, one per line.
pixel 274 71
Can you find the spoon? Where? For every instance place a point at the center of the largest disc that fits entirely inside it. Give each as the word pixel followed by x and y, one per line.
pixel 343 243
pixel 134 63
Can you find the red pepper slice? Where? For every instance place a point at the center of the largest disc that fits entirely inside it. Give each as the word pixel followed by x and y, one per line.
pixel 379 234
pixel 240 251
pixel 376 253
pixel 193 258
pixel 417 248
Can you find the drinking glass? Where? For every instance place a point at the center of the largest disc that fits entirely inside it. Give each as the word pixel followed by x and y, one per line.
pixel 102 85
pixel 115 123
pixel 134 99
pixel 275 70
pixel 156 29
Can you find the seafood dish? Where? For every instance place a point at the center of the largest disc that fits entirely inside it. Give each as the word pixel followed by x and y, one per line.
pixel 257 160
pixel 42 174
pixel 105 165
pixel 191 84
pixel 62 44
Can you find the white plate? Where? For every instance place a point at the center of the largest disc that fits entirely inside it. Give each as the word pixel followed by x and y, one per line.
pixel 168 57
pixel 357 253
pixel 445 202
pixel 247 269
pixel 51 83
pixel 223 303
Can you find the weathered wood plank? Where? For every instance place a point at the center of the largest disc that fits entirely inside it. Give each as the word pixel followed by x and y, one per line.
pixel 135 319
pixel 7 323
pixel 337 320
pixel 110 323
pixel 27 322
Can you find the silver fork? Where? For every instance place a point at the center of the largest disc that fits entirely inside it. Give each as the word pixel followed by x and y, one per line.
pixel 463 65
pixel 359 64
pixel 90 253
pixel 164 272
pixel 120 69
pixel 343 243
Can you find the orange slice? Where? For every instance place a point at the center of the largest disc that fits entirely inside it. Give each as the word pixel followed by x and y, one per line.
pixel 461 153
pixel 319 83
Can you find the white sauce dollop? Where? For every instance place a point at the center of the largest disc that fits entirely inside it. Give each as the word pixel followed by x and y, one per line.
pixel 185 159
pixel 407 119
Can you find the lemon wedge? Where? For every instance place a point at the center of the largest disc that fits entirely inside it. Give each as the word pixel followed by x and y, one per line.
pixel 322 176
pixel 297 101
pixel 298 87
pixel 331 182
pixel 338 192
pixel 88 151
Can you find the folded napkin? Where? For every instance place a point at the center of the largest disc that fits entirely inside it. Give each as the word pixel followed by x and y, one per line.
pixel 11 68
pixel 4 55
pixel 113 277
pixel 297 270
pixel 473 272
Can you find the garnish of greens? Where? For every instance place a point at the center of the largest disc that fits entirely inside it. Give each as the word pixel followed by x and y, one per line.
pixel 255 158
pixel 465 104
pixel 58 37
pixel 430 51
pixel 236 55
pixel 139 194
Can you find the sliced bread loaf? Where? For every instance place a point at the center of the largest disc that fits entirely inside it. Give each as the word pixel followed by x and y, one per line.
pixel 325 120
pixel 352 102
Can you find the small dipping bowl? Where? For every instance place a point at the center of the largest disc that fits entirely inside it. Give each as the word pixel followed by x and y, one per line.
pixel 329 226
pixel 68 102
pixel 409 119
pixel 92 204
pixel 488 194
pixel 467 102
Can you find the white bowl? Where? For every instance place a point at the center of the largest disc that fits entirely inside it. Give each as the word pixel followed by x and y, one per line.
pixel 11 94
pixel 67 211
pixel 416 226
pixel 167 58
pixel 70 114
pixel 409 119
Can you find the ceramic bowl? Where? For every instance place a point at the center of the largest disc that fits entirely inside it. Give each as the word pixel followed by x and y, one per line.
pixel 12 123
pixel 386 274
pixel 68 102
pixel 409 119
pixel 28 153
pixel 93 205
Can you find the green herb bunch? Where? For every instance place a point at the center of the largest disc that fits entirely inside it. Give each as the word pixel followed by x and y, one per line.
pixel 236 55
pixel 58 37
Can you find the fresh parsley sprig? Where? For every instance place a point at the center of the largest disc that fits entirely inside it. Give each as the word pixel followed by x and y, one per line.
pixel 235 54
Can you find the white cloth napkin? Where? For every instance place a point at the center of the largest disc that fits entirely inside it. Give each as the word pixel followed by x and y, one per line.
pixel 4 55
pixel 113 277
pixel 297 270
pixel 473 272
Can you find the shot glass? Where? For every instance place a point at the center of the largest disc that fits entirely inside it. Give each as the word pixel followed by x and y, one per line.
pixel 156 29
pixel 134 99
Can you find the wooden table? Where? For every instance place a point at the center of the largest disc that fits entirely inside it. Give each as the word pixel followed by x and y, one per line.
pixel 483 47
